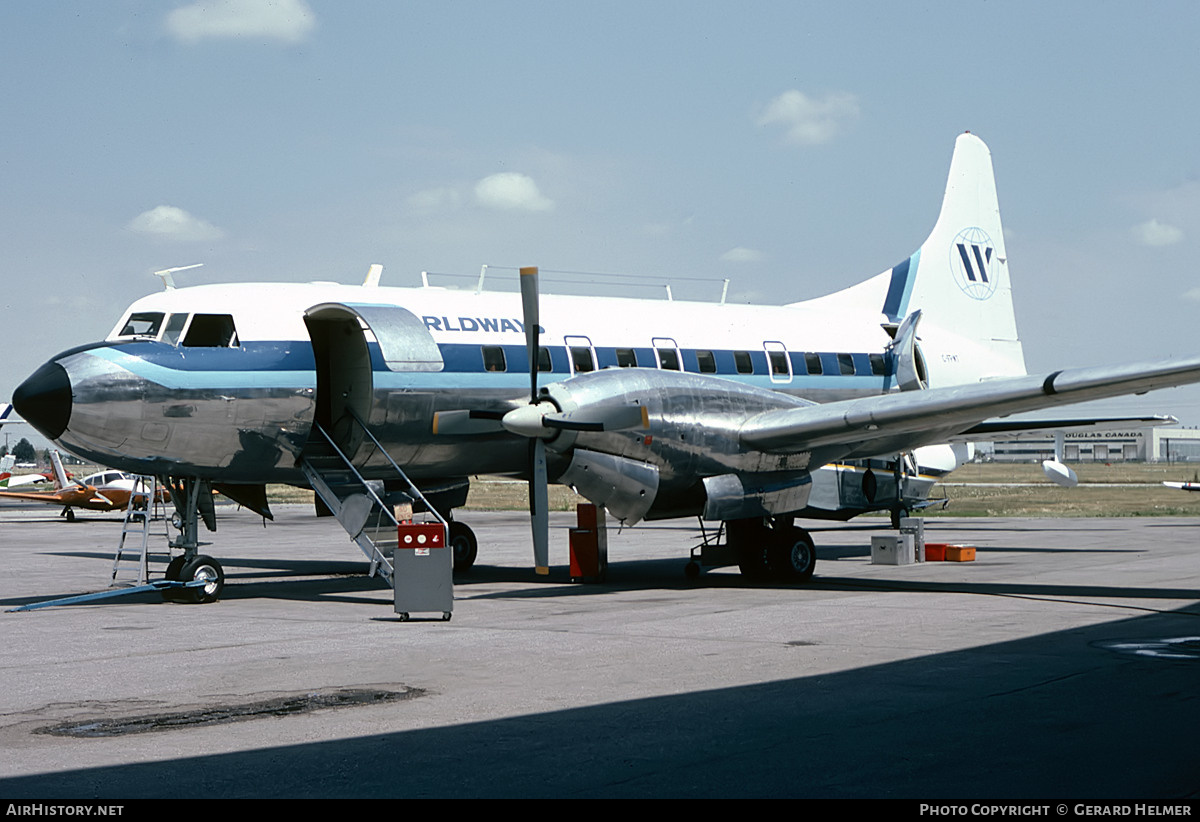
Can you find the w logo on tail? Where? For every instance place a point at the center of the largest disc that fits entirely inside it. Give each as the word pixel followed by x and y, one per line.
pixel 971 257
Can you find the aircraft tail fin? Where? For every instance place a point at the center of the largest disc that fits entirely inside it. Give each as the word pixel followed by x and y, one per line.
pixel 959 280
pixel 5 410
pixel 60 473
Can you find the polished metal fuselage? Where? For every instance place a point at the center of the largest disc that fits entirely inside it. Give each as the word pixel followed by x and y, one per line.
pixel 239 416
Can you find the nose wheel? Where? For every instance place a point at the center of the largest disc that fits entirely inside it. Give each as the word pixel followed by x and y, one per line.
pixel 188 494
pixel 201 569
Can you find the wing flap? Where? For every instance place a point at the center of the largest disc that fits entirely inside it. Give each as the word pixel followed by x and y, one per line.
pixel 941 413
pixel 1040 428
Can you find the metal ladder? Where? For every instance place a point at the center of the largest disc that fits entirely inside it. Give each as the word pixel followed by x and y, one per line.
pixel 137 521
pixel 354 500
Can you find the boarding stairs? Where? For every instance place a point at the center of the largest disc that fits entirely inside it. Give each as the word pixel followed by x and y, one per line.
pixel 139 513
pixel 362 506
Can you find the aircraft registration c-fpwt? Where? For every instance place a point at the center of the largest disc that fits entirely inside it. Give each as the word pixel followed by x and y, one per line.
pixel 746 415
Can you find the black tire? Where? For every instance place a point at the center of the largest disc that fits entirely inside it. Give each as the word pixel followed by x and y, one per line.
pixel 208 569
pixel 793 557
pixel 870 485
pixel 897 515
pixel 465 546
pixel 174 568
pixel 692 570
pixel 751 541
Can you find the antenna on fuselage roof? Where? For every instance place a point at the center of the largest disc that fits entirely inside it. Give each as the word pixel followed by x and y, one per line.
pixel 638 278
pixel 168 280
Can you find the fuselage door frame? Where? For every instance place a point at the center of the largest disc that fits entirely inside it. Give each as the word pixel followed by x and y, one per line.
pixel 342 336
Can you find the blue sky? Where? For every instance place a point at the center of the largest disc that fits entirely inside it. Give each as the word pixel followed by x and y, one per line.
pixel 794 147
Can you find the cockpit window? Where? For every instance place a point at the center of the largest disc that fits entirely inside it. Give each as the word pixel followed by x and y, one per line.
pixel 174 328
pixel 211 331
pixel 142 324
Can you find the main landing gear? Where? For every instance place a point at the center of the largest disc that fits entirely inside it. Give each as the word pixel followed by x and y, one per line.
pixel 465 546
pixel 772 549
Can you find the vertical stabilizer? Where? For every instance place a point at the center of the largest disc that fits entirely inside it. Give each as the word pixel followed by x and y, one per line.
pixel 959 280
pixel 60 473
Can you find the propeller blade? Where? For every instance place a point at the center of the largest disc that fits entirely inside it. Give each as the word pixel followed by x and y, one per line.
pixel 620 418
pixel 529 311
pixel 466 422
pixel 539 516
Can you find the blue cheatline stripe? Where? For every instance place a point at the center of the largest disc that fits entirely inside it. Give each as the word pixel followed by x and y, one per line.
pixel 895 305
pixel 286 366
pixel 175 378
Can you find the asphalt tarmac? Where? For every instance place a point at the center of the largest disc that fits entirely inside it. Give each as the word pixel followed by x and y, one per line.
pixel 1063 663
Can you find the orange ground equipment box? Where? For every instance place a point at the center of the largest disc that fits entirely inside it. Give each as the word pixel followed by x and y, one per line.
pixel 589 545
pixel 945 552
pixel 935 551
pixel 960 553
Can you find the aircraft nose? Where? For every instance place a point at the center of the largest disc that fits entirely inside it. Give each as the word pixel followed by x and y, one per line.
pixel 44 400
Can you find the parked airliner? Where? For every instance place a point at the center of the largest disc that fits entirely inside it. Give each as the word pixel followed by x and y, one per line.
pixel 652 408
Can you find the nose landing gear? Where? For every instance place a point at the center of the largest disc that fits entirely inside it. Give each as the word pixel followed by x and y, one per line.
pixel 193 502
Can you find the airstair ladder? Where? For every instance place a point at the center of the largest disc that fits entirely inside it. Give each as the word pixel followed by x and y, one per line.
pixel 355 501
pixel 139 512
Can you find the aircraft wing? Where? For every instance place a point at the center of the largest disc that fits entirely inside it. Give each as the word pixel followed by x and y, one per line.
pixel 34 496
pixel 911 418
pixel 1040 428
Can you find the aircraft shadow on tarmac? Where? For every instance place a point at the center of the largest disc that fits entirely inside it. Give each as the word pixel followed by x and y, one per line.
pixel 1057 715
pixel 300 580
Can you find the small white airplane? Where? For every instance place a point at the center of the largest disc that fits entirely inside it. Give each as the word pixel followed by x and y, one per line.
pixel 11 480
pixel 1183 486
pixel 744 415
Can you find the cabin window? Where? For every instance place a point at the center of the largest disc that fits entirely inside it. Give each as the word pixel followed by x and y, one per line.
pixel 626 358
pixel 581 359
pixel 668 359
pixel 813 363
pixel 174 328
pixel 142 324
pixel 707 362
pixel 779 362
pixel 878 365
pixel 493 358
pixel 211 331
pixel 845 364
pixel 742 360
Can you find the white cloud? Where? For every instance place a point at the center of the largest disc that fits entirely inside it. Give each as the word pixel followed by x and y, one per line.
pixel 434 199
pixel 511 191
pixel 810 120
pixel 1192 294
pixel 171 223
pixel 288 20
pixel 742 255
pixel 1154 233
